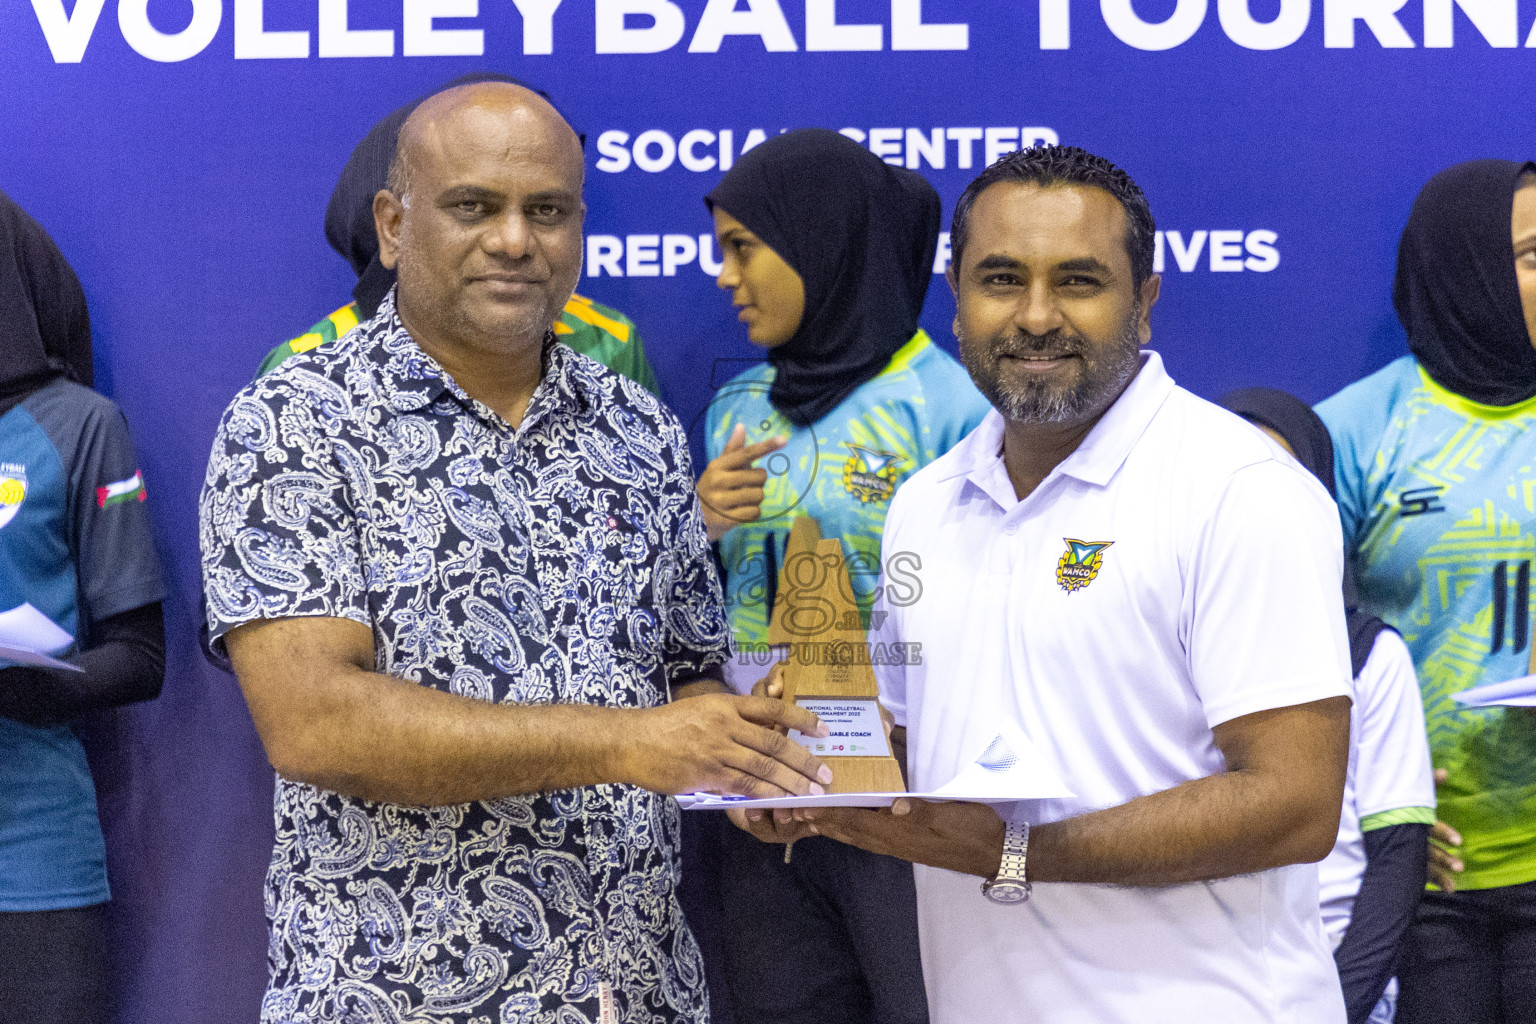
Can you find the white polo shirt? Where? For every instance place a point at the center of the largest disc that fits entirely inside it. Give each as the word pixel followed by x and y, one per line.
pixel 1216 594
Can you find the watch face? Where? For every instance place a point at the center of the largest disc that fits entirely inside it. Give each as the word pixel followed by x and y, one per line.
pixel 1006 892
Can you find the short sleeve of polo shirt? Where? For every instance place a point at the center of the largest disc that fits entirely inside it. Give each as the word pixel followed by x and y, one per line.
pixel 1263 611
pixel 278 534
pixel 1394 782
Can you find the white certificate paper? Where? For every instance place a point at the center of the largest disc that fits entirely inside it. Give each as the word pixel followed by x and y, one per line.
pixel 1010 768
pixel 27 637
pixel 1511 693
pixel 30 630
pixel 22 656
pixel 854 728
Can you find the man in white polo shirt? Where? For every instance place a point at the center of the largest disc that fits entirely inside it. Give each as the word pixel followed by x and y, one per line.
pixel 1148 589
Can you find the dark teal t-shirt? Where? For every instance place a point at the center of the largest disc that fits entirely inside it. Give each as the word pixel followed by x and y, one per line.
pixel 75 544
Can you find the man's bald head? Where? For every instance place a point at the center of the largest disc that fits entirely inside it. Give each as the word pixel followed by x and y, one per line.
pixel 482 220
pixel 466 107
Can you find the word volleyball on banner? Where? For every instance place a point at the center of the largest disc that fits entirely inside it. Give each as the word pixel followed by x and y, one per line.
pixel 658 26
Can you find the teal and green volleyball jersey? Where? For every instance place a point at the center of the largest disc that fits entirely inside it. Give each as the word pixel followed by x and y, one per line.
pixel 588 327
pixel 842 469
pixel 1438 500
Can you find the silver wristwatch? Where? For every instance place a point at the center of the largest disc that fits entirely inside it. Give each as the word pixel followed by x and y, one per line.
pixel 1010 885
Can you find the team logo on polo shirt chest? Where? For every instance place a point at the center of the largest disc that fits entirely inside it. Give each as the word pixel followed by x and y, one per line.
pixel 13 490
pixel 1080 564
pixel 870 475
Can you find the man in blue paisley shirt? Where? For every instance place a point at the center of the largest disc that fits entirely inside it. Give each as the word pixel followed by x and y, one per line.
pixel 463 579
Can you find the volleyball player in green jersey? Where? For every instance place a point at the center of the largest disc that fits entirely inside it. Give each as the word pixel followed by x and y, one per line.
pixel 1436 474
pixel 588 327
pixel 828 253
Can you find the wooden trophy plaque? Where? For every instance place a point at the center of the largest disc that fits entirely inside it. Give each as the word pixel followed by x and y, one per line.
pixel 827 668
pixel 804 535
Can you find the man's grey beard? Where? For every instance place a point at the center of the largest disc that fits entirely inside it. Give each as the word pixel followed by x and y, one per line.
pixel 1106 372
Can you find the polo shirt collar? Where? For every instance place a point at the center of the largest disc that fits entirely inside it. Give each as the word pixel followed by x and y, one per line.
pixel 978 450
pixel 412 380
pixel 980 456
pixel 1110 441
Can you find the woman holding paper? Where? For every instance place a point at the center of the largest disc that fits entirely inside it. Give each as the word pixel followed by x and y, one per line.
pixel 827 252
pixel 1436 471
pixel 79 579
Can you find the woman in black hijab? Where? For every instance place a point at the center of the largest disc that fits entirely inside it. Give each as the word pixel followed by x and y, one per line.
pixel 76 556
pixel 1458 292
pixel 860 235
pixel 1372 880
pixel 1434 470
pixel 45 331
pixel 828 252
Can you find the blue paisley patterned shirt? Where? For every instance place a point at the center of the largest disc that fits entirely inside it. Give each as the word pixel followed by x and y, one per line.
pixel 564 561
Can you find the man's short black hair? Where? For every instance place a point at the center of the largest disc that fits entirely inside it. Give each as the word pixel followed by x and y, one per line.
pixel 1065 165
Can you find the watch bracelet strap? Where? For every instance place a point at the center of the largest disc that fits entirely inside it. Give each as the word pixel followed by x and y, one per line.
pixel 1015 854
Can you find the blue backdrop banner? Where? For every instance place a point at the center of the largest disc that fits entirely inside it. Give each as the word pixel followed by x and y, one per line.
pixel 182 151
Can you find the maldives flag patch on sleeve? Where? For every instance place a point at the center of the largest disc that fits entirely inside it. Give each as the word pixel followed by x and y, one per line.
pixel 131 489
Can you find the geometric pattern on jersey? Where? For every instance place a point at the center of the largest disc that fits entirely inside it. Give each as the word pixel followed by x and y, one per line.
pixel 1437 496
pixel 843 469
pixel 563 562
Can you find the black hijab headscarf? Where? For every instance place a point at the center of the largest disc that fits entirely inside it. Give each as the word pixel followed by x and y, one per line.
pixel 860 233
pixel 349 215
pixel 1455 291
pixel 45 330
pixel 1295 421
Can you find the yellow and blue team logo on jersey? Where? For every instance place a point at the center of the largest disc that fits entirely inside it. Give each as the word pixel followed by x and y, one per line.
pixel 870 475
pixel 13 490
pixel 1080 564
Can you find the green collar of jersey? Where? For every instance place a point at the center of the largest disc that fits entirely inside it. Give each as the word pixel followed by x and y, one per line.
pixel 910 351
pixel 1466 406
